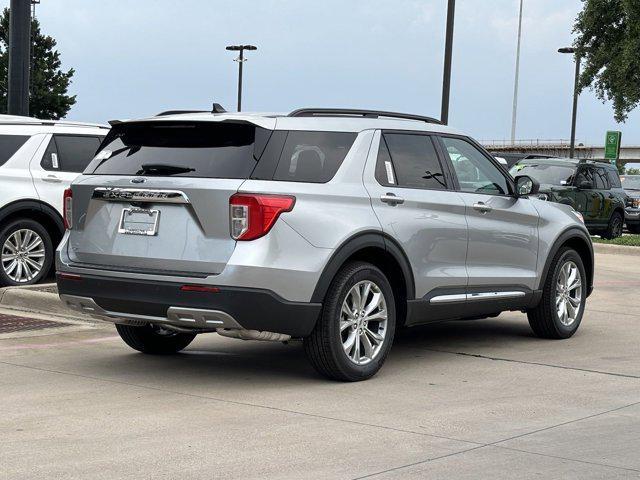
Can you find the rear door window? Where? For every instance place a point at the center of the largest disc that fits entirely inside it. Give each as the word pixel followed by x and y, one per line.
pixel 409 160
pixel 614 179
pixel 9 145
pixel 313 156
pixel 70 153
pixel 602 182
pixel 186 149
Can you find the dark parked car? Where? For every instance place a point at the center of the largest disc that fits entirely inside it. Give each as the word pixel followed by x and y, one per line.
pixel 631 185
pixel 590 187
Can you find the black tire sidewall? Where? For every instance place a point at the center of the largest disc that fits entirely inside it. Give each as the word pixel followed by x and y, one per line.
pixel 332 311
pixel 23 223
pixel 563 330
pixel 615 218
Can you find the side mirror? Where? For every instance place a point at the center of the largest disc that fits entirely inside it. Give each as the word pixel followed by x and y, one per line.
pixel 585 185
pixel 525 186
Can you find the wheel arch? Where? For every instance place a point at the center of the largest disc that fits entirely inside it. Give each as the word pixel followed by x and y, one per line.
pixel 577 239
pixel 380 250
pixel 38 211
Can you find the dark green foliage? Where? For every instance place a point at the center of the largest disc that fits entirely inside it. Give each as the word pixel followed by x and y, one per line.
pixel 609 44
pixel 48 97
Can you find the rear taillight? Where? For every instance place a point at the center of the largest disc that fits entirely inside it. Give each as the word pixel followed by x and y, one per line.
pixel 252 215
pixel 67 209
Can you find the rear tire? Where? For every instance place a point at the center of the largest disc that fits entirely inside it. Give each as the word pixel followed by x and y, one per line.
pixel 154 340
pixel 559 313
pixel 614 230
pixel 27 253
pixel 354 334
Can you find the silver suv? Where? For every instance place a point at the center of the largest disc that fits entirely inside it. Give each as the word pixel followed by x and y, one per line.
pixel 337 227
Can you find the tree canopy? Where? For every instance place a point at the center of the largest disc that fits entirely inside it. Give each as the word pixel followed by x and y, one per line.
pixel 609 44
pixel 49 84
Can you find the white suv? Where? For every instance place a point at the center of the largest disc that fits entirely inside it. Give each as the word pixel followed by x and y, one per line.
pixel 38 160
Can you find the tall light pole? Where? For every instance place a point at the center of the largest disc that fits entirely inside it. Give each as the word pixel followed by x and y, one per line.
pixel 574 114
pixel 19 57
pixel 448 51
pixel 240 60
pixel 514 113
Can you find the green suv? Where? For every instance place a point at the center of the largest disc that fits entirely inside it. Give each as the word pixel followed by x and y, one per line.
pixel 590 187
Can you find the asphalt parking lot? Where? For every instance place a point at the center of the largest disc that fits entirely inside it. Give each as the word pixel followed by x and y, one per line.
pixel 481 399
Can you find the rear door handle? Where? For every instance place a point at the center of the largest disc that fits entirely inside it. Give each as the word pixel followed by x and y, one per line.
pixel 51 179
pixel 391 199
pixel 482 207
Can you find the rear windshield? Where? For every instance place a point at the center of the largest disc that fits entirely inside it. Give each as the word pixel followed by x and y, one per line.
pixel 187 149
pixel 546 173
pixel 10 144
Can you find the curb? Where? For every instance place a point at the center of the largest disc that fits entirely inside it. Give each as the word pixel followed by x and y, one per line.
pixel 615 249
pixel 28 298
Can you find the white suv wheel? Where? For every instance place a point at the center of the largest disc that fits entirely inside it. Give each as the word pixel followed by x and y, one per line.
pixel 23 255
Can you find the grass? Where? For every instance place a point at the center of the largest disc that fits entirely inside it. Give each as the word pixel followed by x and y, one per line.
pixel 628 240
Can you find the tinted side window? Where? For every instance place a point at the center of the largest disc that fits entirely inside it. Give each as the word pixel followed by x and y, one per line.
pixel 475 172
pixel 50 158
pixel 585 174
pixel 10 144
pixel 614 179
pixel 602 182
pixel 414 160
pixel 313 156
pixel 75 151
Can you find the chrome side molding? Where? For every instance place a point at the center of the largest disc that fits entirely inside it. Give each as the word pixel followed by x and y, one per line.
pixel 466 297
pixel 117 194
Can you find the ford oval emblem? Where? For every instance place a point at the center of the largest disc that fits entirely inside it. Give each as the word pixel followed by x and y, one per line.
pixel 138 180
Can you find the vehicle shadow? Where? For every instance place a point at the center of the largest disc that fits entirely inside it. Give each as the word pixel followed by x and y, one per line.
pixel 212 361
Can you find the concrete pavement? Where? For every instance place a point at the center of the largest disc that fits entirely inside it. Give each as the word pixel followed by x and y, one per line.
pixel 482 399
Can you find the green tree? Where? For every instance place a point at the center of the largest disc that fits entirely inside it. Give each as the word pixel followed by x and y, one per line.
pixel 609 44
pixel 632 171
pixel 48 97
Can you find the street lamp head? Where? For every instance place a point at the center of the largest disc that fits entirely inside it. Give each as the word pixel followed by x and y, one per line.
pixel 241 47
pixel 567 50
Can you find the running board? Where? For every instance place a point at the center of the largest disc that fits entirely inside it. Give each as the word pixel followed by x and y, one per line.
pixel 467 297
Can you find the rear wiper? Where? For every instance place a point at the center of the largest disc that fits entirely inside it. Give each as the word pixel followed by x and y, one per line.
pixel 162 169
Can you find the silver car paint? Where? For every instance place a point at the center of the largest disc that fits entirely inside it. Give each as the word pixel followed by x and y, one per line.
pixel 509 247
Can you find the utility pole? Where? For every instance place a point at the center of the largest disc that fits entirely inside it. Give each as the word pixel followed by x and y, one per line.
pixel 240 60
pixel 19 57
pixel 514 113
pixel 574 114
pixel 448 52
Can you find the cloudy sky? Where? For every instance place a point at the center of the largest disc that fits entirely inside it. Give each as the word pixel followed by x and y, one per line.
pixel 136 58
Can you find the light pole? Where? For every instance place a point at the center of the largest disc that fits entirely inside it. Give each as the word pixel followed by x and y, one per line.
pixel 572 146
pixel 514 113
pixel 240 60
pixel 448 50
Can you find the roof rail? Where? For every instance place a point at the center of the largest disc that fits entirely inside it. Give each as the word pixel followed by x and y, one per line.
pixel 175 112
pixel 348 112
pixel 216 108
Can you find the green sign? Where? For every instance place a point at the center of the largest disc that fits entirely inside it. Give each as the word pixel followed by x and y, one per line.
pixel 612 146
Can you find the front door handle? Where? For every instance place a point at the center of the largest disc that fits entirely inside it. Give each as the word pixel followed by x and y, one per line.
pixel 52 179
pixel 391 199
pixel 482 207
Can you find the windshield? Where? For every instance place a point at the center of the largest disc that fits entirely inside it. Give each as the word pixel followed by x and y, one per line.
pixel 630 182
pixel 546 173
pixel 188 149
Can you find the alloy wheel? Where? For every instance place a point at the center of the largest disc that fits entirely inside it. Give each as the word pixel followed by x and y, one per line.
pixel 363 322
pixel 23 255
pixel 568 293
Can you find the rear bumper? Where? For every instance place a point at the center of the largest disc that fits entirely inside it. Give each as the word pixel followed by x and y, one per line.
pixel 127 301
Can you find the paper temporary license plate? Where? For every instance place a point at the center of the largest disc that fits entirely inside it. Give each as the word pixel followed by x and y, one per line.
pixel 139 221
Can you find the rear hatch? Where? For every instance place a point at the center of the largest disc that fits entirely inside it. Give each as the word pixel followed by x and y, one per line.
pixel 156 197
